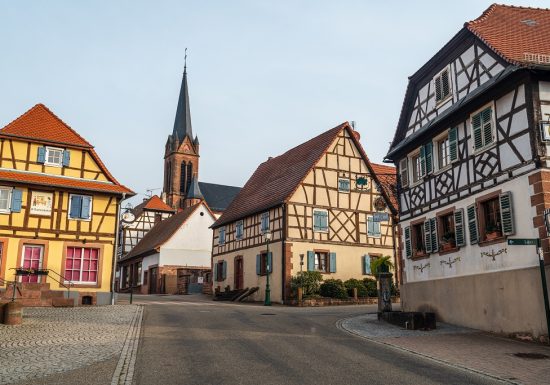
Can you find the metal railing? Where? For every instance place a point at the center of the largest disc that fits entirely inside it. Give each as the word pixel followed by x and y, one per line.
pixel 21 271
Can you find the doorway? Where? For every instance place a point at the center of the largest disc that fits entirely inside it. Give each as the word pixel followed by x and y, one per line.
pixel 239 274
pixel 153 280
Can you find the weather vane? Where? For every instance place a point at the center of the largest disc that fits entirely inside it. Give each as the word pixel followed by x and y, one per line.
pixel 185 61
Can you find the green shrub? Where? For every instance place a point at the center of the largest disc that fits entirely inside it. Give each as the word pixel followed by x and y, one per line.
pixel 379 265
pixel 352 283
pixel 371 286
pixel 334 288
pixel 310 281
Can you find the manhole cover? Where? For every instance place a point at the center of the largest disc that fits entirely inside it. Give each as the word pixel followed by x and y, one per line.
pixel 532 356
pixel 267 314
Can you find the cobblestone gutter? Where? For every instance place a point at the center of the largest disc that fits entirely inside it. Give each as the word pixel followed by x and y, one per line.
pixel 54 340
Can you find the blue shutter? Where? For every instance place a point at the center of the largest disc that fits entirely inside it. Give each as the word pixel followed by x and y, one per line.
pixel 310 261
pixel 258 264
pixel 269 262
pixel 76 206
pixel 16 200
pixel 366 265
pixel 453 144
pixel 66 158
pixel 370 226
pixel 377 227
pixel 224 270
pixel 316 221
pixel 324 221
pixel 85 211
pixel 332 262
pixel 41 158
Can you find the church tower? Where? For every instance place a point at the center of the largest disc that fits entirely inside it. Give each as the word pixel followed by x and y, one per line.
pixel 181 156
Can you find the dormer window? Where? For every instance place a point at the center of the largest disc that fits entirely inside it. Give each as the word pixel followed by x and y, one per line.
pixel 53 156
pixel 442 83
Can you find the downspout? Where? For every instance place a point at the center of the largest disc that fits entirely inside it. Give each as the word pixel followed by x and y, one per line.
pixel 283 256
pixel 396 260
pixel 115 249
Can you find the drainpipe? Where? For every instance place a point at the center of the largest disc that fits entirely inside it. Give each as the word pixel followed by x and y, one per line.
pixel 283 256
pixel 396 259
pixel 115 249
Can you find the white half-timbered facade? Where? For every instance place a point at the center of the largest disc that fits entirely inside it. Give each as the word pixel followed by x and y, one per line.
pixel 472 161
pixel 318 201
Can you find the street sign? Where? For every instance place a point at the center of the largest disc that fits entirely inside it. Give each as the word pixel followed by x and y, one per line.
pixel 379 217
pixel 522 242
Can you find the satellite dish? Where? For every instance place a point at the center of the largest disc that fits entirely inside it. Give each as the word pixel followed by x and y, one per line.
pixel 128 216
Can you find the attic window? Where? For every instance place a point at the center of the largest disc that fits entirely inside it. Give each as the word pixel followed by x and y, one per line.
pixel 529 22
pixel 442 86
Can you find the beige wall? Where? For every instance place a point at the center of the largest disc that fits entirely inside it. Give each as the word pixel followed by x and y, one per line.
pixel 501 302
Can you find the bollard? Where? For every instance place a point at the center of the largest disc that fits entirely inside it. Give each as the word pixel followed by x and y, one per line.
pixel 300 295
pixel 13 313
pixel 355 293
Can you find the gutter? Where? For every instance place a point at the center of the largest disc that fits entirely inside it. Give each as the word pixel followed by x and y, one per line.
pixel 115 249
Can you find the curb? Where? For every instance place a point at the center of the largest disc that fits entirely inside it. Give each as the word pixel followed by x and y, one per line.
pixel 340 326
pixel 124 372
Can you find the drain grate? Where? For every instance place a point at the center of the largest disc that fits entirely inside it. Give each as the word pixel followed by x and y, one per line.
pixel 532 356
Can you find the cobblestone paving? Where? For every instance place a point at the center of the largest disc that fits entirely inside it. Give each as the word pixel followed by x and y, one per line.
pixel 460 347
pixel 54 340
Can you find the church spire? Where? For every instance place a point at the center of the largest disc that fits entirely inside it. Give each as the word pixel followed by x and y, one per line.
pixel 182 124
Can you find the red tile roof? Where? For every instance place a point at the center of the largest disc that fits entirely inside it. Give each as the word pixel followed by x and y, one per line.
pixel 41 124
pixel 512 32
pixel 58 181
pixel 276 179
pixel 387 176
pixel 155 203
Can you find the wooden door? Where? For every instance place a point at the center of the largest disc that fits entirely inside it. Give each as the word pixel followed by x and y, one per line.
pixel 32 259
pixel 239 276
pixel 153 280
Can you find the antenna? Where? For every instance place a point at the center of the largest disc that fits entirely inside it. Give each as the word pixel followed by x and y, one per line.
pixel 149 191
pixel 185 61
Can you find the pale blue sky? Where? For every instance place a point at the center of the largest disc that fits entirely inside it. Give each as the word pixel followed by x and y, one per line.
pixel 264 76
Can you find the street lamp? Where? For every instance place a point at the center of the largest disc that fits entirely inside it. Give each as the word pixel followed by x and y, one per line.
pixel 267 301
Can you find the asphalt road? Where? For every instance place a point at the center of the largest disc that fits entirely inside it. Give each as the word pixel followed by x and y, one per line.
pixel 196 342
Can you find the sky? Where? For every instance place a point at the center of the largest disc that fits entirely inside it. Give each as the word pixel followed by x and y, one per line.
pixel 264 76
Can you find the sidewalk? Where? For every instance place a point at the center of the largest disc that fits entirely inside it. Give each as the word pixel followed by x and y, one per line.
pixel 460 347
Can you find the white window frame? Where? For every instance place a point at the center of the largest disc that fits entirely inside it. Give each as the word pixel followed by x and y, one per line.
pixel 412 166
pixel 89 212
pixel 379 235
pixel 263 216
pixel 313 221
pixel 404 169
pixel 349 184
pixel 96 282
pixel 439 75
pixel 237 225
pixel 493 129
pixel 438 139
pixel 8 209
pixel 47 154
pixel 221 236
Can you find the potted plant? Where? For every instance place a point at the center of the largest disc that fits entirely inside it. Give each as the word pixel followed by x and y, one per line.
pixel 492 231
pixel 381 265
pixel 448 241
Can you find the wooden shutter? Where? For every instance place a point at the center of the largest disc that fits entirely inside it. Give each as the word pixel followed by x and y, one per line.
pixel 438 89
pixel 472 224
pixel 258 264
pixel 41 157
pixel 445 84
pixel 506 213
pixel 66 158
pixel 427 237
pixel 370 226
pixel 453 144
pixel 324 220
pixel 224 270
pixel 428 150
pixel 85 211
pixel 332 262
pixel 16 200
pixel 459 227
pixel 487 129
pixel 408 245
pixel 404 172
pixel 269 266
pixel 310 261
pixel 422 161
pixel 433 232
pixel 216 272
pixel 477 134
pixel 76 206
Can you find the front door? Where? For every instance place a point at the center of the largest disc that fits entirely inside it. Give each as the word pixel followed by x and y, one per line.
pixel 239 273
pixel 32 259
pixel 153 280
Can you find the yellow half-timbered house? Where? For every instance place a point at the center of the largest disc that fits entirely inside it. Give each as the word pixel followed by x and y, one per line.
pixel 322 203
pixel 58 211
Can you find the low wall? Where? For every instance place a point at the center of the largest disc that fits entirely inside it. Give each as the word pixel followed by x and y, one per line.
pixel 508 302
pixel 337 302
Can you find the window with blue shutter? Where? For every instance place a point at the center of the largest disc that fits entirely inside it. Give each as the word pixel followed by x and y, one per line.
pixel 320 220
pixel 221 236
pixel 264 222
pixel 41 156
pixel 373 227
pixel 239 230
pixel 310 261
pixel 10 199
pixel 343 185
pixel 80 207
pixel 66 158
pixel 332 262
pixel 85 212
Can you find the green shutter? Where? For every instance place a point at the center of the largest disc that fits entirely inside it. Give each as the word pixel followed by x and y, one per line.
pixel 332 262
pixel 216 272
pixel 258 264
pixel 427 237
pixel 269 262
pixel 408 245
pixel 310 261
pixel 224 270
pixel 472 224
pixel 445 85
pixel 453 143
pixel 422 160
pixel 487 129
pixel 459 227
pixel 477 134
pixel 16 200
pixel 438 90
pixel 506 213
pixel 433 232
pixel 428 148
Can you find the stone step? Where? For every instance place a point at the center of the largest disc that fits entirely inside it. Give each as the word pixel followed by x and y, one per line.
pixel 62 302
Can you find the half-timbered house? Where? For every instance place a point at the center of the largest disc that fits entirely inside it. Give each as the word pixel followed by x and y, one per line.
pixel 318 201
pixel 58 211
pixel 472 156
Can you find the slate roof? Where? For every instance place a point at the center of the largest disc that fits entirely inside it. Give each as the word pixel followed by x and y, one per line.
pixel 194 190
pixel 513 31
pixel 276 179
pixel 182 123
pixel 218 197
pixel 161 233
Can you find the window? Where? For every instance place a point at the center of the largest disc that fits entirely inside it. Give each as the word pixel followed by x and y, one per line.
pixel 80 207
pixel 81 265
pixel 491 218
pixel 416 163
pixel 219 271
pixel 264 222
pixel 442 86
pixel 239 230
pixel 54 156
pixel 482 128
pixel 5 198
pixel 443 153
pixel 403 172
pixel 343 185
pixel 221 236
pixel 183 183
pixel 419 249
pixel 321 261
pixel 158 217
pixel 447 239
pixel 320 220
pixel 373 227
pixel 263 262
pixel 138 273
pixel 490 210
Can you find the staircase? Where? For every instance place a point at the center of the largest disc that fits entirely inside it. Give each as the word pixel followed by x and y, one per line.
pixel 36 295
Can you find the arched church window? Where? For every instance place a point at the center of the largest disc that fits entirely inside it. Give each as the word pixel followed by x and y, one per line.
pixel 169 177
pixel 183 169
pixel 189 174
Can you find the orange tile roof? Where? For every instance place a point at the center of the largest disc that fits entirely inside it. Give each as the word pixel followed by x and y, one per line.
pixel 57 181
pixel 387 176
pixel 40 123
pixel 155 203
pixel 515 32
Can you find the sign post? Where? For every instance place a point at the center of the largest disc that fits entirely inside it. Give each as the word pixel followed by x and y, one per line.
pixel 540 254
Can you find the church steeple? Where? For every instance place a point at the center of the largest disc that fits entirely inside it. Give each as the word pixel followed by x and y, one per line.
pixel 182 124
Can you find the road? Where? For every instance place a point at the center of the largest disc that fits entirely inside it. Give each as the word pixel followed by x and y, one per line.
pixel 195 341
